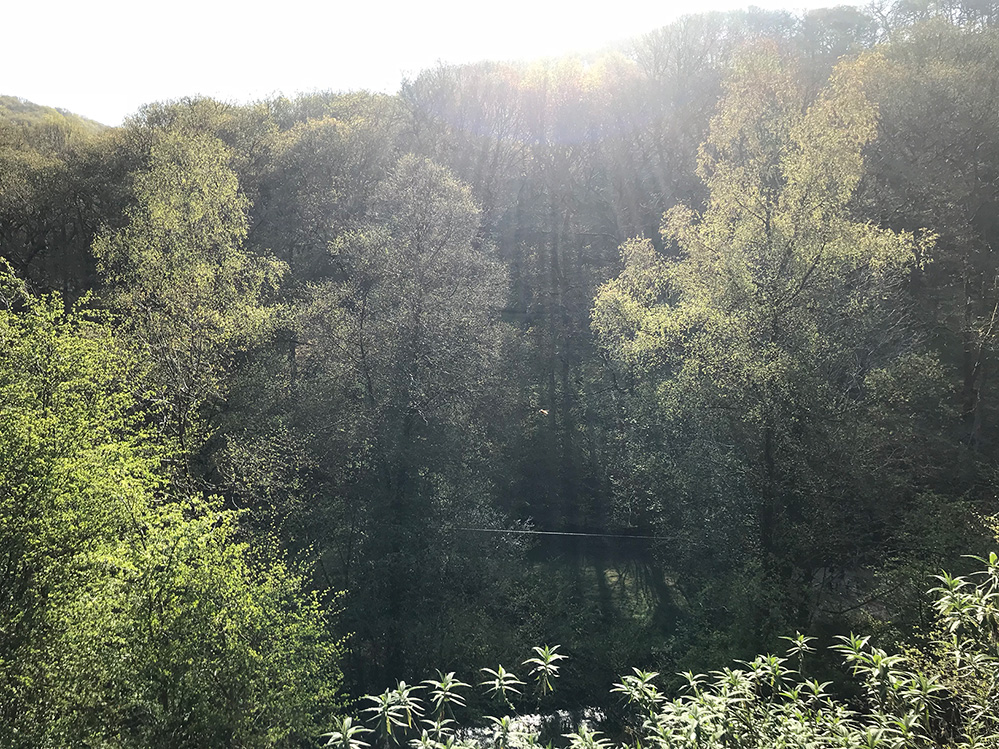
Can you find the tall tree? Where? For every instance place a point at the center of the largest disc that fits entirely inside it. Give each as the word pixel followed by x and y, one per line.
pixel 399 351
pixel 778 369
pixel 192 294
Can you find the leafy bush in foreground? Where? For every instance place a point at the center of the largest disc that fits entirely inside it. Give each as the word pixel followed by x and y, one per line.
pixel 945 696
pixel 129 615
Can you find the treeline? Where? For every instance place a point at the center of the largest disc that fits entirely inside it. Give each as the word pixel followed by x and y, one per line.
pixel 729 291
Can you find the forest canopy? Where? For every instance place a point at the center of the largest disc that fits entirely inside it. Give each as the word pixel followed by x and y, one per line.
pixel 660 355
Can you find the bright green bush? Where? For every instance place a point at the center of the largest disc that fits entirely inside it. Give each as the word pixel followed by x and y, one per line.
pixel 130 616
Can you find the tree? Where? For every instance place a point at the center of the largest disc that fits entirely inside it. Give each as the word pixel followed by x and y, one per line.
pixel 131 615
pixel 178 270
pixel 41 221
pixel 317 185
pixel 936 166
pixel 398 355
pixel 783 391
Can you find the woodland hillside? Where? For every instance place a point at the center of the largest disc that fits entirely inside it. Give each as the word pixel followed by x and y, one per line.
pixel 660 355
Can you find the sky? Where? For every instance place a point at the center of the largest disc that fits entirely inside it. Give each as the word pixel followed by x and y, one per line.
pixel 105 58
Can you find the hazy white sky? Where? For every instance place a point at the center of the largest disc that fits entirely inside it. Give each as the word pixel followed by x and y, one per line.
pixel 104 58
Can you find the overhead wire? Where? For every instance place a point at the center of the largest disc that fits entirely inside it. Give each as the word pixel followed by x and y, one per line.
pixel 560 533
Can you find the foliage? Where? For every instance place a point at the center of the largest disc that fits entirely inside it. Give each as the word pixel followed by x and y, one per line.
pixel 775 353
pixel 946 696
pixel 544 666
pixel 130 616
pixel 771 702
pixel 368 323
pixel 178 270
pixel 398 714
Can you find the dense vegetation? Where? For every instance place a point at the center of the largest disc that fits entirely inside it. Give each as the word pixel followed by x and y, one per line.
pixel 944 696
pixel 660 355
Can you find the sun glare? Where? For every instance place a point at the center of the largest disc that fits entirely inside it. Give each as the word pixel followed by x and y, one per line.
pixel 106 58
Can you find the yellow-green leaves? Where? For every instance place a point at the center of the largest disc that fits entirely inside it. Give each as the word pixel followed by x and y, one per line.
pixel 766 342
pixel 749 137
pixel 128 613
pixel 180 273
pixel 776 241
